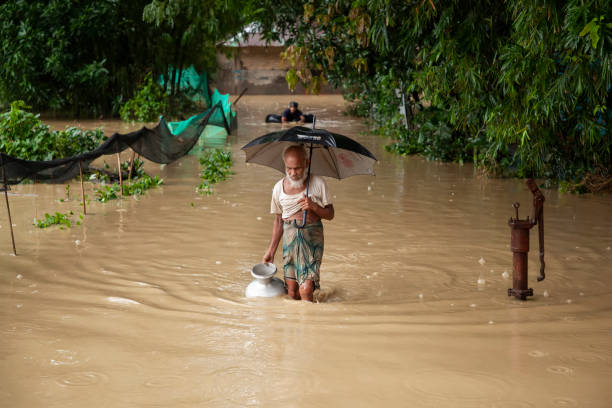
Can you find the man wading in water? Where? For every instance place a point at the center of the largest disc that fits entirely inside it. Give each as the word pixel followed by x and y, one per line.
pixel 302 248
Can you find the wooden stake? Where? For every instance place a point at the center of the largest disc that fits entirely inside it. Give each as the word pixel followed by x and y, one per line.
pixel 8 208
pixel 131 165
pixel 82 188
pixel 120 175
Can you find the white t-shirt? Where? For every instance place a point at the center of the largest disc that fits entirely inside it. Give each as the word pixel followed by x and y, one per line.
pixel 288 204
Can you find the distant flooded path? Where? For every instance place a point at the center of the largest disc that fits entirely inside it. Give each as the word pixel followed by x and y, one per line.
pixel 143 305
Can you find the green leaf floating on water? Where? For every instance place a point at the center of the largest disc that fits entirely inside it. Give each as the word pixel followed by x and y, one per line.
pixel 54 219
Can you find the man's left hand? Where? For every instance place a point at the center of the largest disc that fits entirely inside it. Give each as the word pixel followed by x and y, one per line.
pixel 308 204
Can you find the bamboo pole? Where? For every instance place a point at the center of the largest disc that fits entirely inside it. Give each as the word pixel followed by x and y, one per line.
pixel 120 175
pixel 8 208
pixel 82 188
pixel 240 96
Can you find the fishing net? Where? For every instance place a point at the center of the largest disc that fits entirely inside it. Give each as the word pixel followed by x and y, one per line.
pixel 194 85
pixel 223 117
pixel 160 144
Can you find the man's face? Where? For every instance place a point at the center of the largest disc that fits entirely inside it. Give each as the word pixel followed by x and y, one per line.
pixel 292 109
pixel 295 166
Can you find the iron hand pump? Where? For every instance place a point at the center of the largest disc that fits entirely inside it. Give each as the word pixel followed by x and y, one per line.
pixel 519 243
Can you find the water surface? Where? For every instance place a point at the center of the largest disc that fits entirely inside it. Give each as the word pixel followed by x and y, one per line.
pixel 143 305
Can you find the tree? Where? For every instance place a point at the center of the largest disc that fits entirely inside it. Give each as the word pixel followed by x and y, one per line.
pixel 521 87
pixel 190 31
pixel 71 55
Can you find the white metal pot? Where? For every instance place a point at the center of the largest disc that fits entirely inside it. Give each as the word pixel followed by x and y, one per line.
pixel 265 284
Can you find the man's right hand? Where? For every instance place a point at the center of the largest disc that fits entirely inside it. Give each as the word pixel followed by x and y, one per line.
pixel 268 258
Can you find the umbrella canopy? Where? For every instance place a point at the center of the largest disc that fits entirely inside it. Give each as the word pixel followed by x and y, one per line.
pixel 333 155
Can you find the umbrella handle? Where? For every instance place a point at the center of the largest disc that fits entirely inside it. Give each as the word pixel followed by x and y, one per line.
pixel 303 224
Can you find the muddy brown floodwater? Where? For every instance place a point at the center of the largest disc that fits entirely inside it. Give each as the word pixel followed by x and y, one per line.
pixel 143 305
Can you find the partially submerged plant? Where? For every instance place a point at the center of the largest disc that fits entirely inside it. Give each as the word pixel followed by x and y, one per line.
pixel 58 218
pixel 134 188
pixel 137 168
pixel 217 164
pixel 107 192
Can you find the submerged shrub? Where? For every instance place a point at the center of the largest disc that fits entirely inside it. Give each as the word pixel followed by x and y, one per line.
pixel 134 188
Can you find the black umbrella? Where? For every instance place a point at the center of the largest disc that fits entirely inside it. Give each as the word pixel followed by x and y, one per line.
pixel 331 154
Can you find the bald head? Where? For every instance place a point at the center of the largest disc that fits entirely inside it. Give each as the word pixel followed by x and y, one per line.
pixel 297 151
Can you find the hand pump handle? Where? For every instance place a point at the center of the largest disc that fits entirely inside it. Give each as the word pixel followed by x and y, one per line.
pixel 537 217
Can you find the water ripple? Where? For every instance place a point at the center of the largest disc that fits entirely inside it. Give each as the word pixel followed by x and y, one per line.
pixel 565 402
pixel 453 385
pixel 82 379
pixel 562 370
pixel 165 381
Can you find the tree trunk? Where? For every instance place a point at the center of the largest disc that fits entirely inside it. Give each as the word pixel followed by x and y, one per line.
pixel 180 74
pixel 172 81
pixel 166 78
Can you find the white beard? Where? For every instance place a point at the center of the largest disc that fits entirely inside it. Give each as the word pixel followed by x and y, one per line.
pixel 296 183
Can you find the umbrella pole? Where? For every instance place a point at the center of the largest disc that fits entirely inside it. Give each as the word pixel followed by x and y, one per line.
pixel 304 215
pixel 8 208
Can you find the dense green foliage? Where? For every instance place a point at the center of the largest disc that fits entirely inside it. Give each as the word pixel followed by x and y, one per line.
pixel 217 164
pixel 73 56
pixel 189 31
pixel 23 135
pixel 521 87
pixel 148 103
pixel 88 58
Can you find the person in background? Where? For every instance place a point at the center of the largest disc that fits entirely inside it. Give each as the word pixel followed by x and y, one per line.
pixel 292 114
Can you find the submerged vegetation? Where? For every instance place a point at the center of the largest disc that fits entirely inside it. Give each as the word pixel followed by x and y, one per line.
pixel 61 219
pixel 136 187
pixel 217 167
